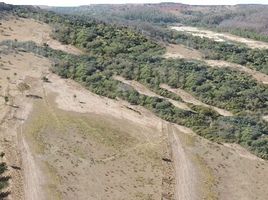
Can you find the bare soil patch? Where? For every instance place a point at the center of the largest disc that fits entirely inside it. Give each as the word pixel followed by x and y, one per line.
pixel 23 29
pixel 96 156
pixel 181 51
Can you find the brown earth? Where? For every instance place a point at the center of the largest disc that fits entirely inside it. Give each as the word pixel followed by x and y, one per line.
pixel 15 69
pixel 181 51
pixel 23 29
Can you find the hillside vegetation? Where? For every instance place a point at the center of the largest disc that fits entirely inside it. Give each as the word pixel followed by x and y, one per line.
pixel 244 20
pixel 152 20
pixel 116 50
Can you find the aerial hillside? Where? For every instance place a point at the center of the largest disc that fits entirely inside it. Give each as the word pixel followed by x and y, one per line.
pixel 244 20
pixel 99 109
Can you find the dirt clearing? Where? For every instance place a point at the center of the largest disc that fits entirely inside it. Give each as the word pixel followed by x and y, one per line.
pixel 181 51
pixel 92 156
pixel 23 30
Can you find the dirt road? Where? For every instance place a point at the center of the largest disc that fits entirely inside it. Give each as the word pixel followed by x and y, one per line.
pixel 186 177
pixel 21 69
pixel 33 178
